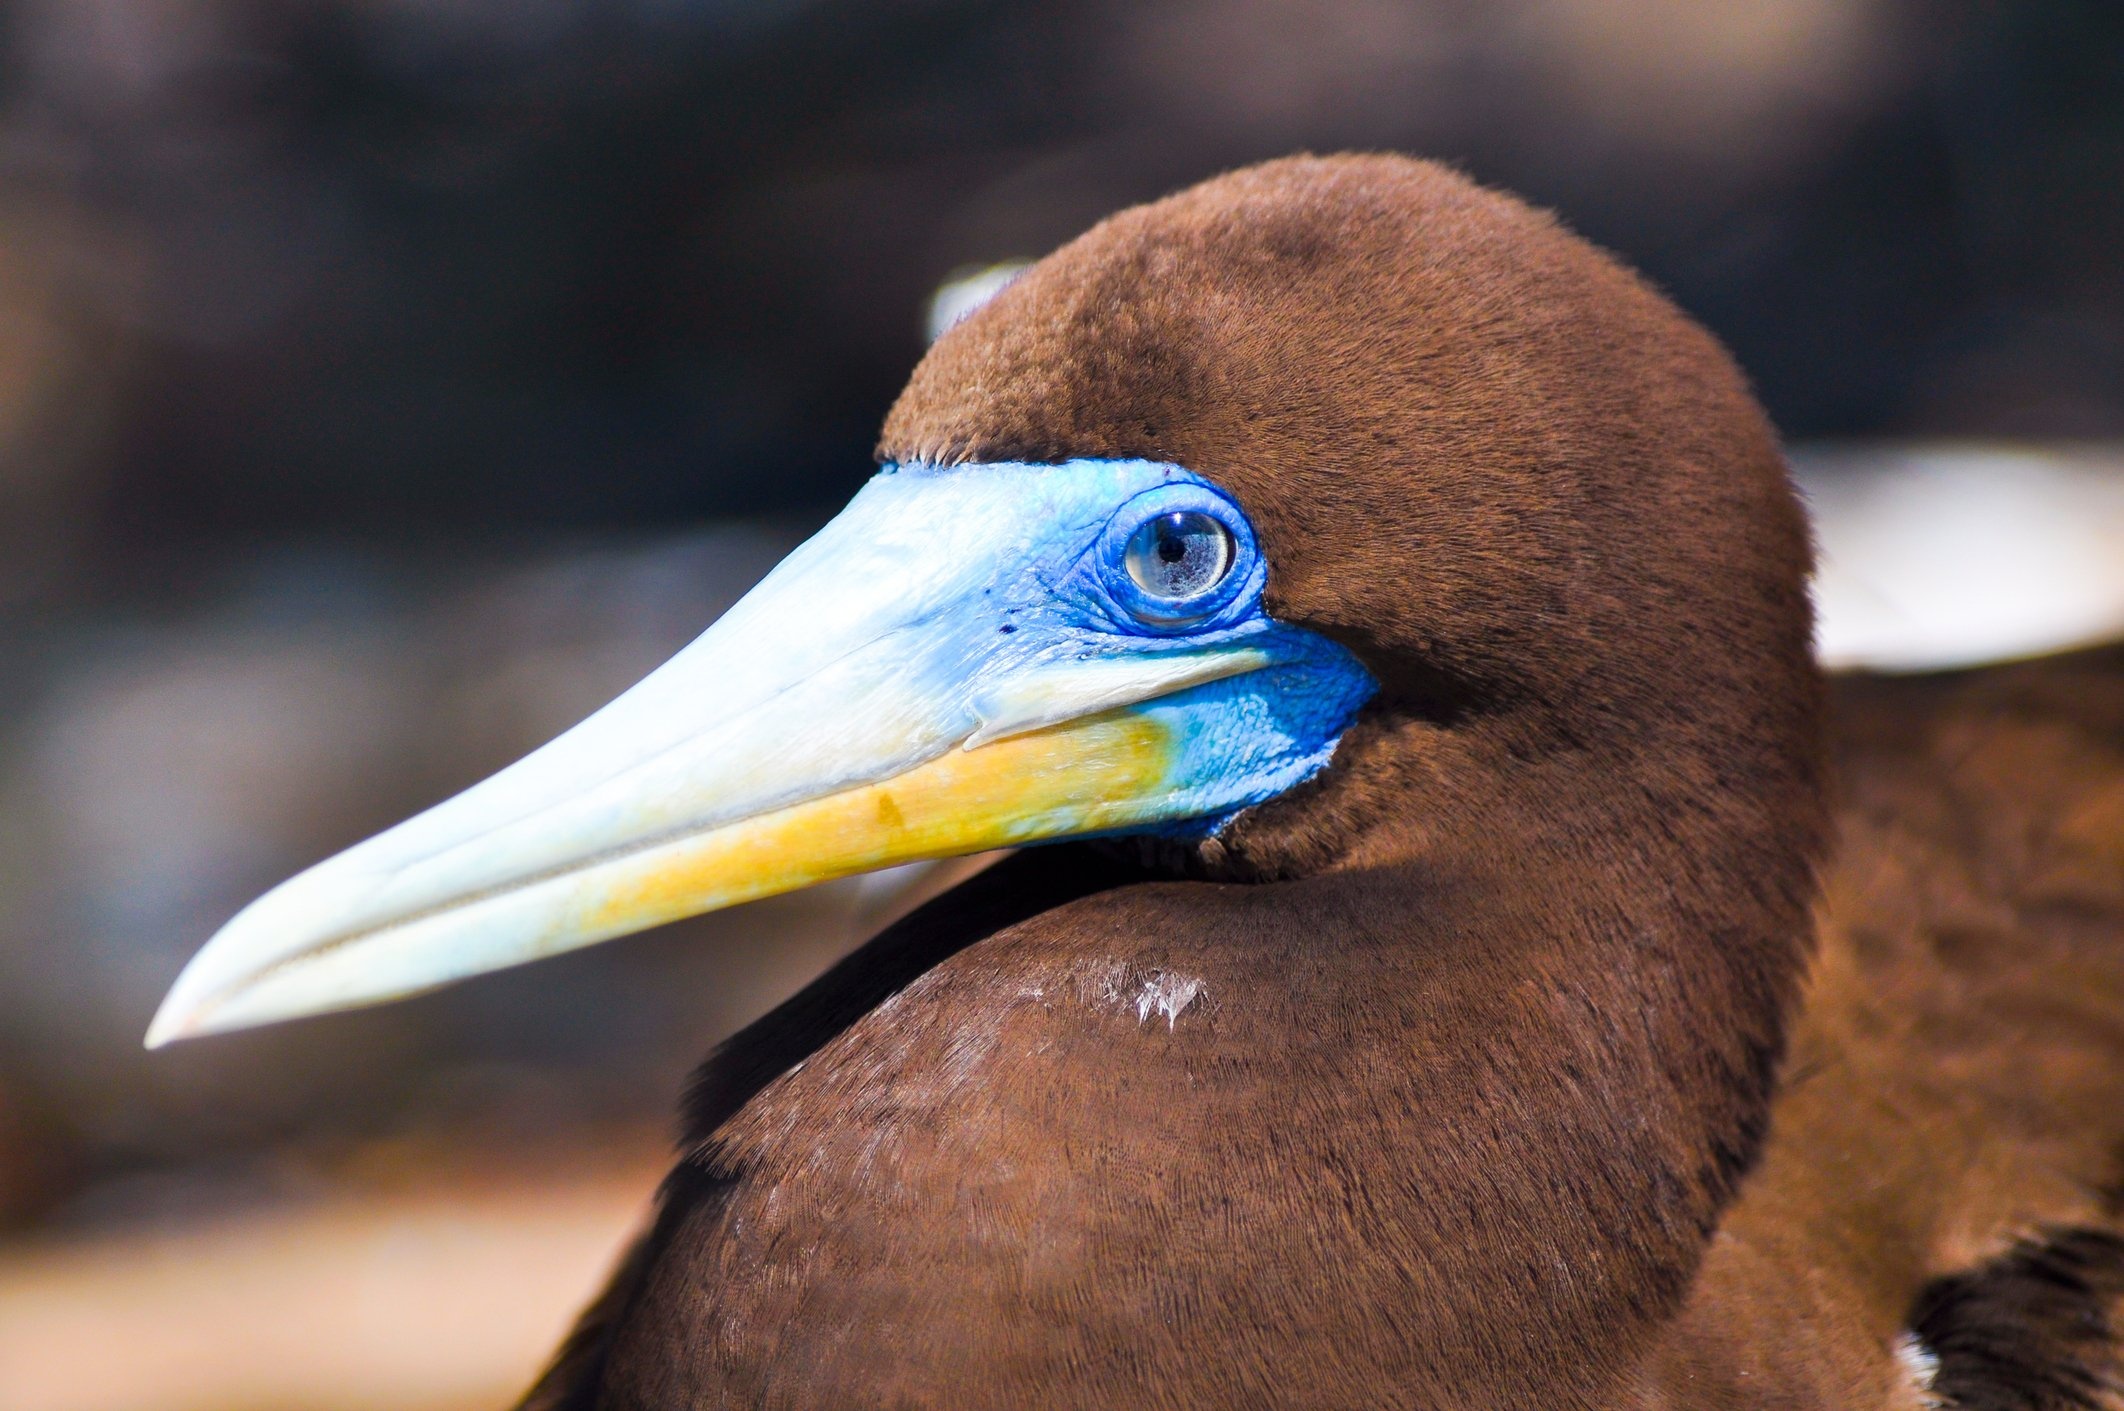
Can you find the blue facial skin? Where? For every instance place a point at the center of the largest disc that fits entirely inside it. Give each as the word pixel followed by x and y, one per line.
pixel 1063 592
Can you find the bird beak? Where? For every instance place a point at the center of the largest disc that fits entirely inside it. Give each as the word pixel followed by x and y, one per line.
pixel 906 685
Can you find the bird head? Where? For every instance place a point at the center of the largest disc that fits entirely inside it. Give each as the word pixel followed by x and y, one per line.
pixel 1280 521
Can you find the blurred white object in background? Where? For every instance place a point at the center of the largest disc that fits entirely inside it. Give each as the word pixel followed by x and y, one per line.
pixel 1939 556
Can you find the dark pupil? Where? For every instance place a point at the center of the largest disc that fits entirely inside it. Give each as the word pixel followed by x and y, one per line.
pixel 1179 555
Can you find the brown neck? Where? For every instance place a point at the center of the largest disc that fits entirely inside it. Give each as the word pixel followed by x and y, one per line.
pixel 1596 954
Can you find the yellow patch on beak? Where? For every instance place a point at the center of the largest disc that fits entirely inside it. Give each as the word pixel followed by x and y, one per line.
pixel 1085 776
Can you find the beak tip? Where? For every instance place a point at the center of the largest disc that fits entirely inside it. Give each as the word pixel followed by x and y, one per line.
pixel 169 1025
pixel 183 1014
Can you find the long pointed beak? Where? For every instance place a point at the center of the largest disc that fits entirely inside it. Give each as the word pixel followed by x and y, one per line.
pixel 900 688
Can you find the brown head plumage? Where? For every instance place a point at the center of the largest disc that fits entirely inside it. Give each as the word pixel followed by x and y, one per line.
pixel 1484 455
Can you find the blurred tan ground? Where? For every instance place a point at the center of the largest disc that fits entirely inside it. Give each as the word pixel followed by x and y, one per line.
pixel 423 1299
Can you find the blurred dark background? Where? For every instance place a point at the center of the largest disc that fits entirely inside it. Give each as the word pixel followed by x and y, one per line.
pixel 403 268
pixel 385 383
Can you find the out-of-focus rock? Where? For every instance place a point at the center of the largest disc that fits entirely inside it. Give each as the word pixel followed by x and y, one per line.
pixel 64 359
pixel 37 1155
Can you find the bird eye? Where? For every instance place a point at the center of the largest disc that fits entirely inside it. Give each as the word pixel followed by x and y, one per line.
pixel 1181 555
pixel 1178 557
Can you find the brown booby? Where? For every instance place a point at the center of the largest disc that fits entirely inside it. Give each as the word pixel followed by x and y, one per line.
pixel 1485 967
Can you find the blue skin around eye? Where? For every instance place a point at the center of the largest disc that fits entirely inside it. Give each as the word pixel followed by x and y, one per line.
pixel 1058 590
pixel 1253 737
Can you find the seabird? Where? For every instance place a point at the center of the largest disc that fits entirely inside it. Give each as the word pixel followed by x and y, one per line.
pixel 1479 963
